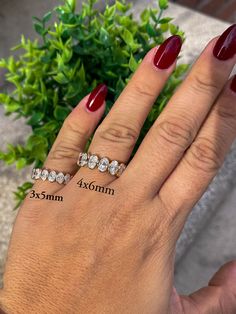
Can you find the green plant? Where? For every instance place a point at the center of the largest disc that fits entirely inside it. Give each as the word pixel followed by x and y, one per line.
pixel 74 54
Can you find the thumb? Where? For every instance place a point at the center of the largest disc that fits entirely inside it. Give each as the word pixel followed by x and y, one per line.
pixel 219 297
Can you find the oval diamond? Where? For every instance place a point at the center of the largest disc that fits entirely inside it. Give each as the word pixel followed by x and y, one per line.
pixel 60 178
pixel 83 159
pixel 121 169
pixel 103 164
pixel 37 173
pixel 52 176
pixel 113 167
pixel 44 174
pixel 93 161
pixel 67 178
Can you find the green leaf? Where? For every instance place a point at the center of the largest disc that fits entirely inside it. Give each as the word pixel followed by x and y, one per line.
pixel 60 113
pixel 35 118
pixel 163 4
pixel 21 163
pixel 133 64
pixel 39 28
pixel 47 17
pixel 128 37
pixel 61 78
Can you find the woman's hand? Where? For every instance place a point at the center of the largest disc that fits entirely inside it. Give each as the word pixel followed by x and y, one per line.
pixel 113 251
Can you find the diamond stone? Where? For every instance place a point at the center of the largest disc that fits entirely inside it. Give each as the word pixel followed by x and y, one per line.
pixel 44 174
pixel 83 159
pixel 37 173
pixel 103 164
pixel 121 170
pixel 33 174
pixel 67 178
pixel 60 178
pixel 52 176
pixel 113 167
pixel 93 161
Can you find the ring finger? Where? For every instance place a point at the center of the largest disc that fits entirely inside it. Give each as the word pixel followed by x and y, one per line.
pixel 116 136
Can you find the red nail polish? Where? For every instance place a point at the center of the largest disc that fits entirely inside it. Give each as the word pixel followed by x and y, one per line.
pixel 233 84
pixel 168 52
pixel 97 97
pixel 225 47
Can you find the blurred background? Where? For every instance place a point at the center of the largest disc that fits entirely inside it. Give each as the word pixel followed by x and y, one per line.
pixel 222 9
pixel 211 231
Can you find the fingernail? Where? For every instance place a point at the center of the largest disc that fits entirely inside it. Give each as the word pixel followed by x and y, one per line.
pixel 225 47
pixel 168 52
pixel 97 97
pixel 233 84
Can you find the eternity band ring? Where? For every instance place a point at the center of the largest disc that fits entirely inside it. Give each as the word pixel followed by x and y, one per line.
pixel 50 175
pixel 103 164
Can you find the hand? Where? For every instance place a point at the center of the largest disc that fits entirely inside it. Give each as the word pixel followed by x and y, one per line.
pixel 99 253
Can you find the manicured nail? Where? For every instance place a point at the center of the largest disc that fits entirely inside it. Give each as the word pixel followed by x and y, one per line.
pixel 97 97
pixel 168 52
pixel 233 84
pixel 225 47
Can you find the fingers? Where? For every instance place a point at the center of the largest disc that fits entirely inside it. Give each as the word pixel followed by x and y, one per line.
pixel 117 135
pixel 177 126
pixel 218 298
pixel 202 160
pixel 74 134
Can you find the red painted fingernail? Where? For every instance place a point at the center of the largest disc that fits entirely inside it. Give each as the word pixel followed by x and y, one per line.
pixel 225 47
pixel 97 97
pixel 168 52
pixel 233 84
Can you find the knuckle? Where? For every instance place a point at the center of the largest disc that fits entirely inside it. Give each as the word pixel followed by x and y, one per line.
pixel 118 133
pixel 142 89
pixel 200 83
pixel 227 111
pixel 176 133
pixel 63 150
pixel 75 129
pixel 204 155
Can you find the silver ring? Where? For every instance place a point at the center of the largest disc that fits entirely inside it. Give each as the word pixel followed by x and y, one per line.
pixel 50 175
pixel 103 164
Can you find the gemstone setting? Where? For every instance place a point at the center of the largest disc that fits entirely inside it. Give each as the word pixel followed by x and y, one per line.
pixel 60 178
pixel 37 173
pixel 113 167
pixel 103 164
pixel 52 176
pixel 121 169
pixel 93 161
pixel 44 174
pixel 83 159
pixel 67 178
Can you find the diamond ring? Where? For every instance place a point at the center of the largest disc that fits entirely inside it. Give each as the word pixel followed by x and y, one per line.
pixel 50 175
pixel 103 164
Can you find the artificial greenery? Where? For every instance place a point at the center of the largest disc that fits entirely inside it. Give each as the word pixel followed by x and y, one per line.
pixel 73 55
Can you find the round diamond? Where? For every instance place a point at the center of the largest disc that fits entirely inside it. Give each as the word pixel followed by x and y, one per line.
pixel 67 178
pixel 83 159
pixel 37 173
pixel 33 174
pixel 60 178
pixel 52 176
pixel 121 169
pixel 113 167
pixel 103 164
pixel 44 174
pixel 93 161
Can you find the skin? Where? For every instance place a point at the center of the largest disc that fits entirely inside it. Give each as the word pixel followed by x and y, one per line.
pixel 97 253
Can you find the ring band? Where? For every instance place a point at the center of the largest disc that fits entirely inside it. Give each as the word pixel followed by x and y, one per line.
pixel 103 164
pixel 50 175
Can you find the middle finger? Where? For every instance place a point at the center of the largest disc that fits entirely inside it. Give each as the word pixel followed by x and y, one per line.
pixel 177 126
